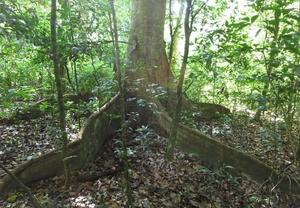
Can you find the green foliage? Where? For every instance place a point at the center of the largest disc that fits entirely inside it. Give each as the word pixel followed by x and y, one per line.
pixel 13 197
pixel 143 136
pixel 84 44
pixel 234 61
pixel 233 53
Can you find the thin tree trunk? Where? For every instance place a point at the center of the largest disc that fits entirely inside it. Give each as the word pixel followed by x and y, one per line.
pixel 297 97
pixel 174 32
pixel 74 59
pixel 112 37
pixel 272 57
pixel 121 82
pixel 59 88
pixel 176 119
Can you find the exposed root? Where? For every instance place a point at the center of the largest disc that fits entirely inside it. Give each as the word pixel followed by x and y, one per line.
pixel 101 125
pixel 50 164
pixel 216 154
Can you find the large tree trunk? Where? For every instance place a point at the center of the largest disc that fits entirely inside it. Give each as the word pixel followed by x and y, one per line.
pixel 146 43
pixel 149 61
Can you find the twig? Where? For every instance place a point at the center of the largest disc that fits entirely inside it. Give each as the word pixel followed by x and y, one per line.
pixel 96 176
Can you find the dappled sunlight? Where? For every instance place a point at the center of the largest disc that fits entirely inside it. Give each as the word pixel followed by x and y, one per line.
pixel 82 201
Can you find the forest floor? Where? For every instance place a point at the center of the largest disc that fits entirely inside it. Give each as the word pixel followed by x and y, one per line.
pixel 155 182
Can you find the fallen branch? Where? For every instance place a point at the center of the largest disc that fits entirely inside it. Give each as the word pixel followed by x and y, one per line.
pixel 34 201
pixel 96 176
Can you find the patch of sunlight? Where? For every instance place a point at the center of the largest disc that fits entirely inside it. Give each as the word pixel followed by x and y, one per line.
pixel 207 88
pixel 82 201
pixel 244 109
pixel 176 7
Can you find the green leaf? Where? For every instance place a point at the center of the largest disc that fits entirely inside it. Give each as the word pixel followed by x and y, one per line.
pixel 241 25
pixel 246 19
pixel 13 197
pixel 253 18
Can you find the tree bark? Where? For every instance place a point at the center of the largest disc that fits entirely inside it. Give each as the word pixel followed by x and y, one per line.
pixel 146 43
